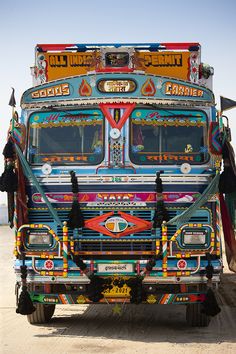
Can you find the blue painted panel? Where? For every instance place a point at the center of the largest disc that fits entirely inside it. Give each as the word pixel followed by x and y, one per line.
pixel 165 88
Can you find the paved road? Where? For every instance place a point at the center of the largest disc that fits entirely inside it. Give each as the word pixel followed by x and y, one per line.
pixel 95 329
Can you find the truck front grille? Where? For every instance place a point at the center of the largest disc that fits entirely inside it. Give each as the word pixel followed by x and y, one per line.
pixel 91 243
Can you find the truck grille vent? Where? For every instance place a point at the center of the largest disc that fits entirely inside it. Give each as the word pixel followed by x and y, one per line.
pixel 92 241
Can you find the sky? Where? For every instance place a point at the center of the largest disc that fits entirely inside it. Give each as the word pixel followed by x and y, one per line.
pixel 23 24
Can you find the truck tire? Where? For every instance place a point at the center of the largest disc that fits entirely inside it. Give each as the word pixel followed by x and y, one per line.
pixel 195 317
pixel 42 314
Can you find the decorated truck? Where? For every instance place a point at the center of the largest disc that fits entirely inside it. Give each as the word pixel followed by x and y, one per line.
pixel 112 171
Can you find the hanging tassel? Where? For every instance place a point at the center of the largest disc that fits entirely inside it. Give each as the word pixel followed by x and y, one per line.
pixel 8 150
pixel 228 229
pixel 25 304
pixel 9 184
pixel 79 262
pixel 137 294
pixel 11 208
pixel 8 179
pixel 76 219
pixel 158 181
pixel 75 187
pixel 210 305
pixel 97 286
pixel 21 197
pixel 160 212
pixel 227 183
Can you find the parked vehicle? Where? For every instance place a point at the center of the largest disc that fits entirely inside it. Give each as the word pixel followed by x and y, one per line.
pixel 119 150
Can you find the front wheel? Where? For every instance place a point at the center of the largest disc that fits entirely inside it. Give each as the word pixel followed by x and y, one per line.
pixel 195 317
pixel 42 314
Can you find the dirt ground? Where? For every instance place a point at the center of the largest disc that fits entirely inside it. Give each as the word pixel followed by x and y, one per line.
pixel 96 329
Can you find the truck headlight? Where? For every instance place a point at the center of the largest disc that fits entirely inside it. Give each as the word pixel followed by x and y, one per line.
pixel 194 237
pixel 39 238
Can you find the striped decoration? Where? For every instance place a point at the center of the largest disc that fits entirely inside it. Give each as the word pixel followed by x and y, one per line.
pixel 176 234
pixel 166 299
pixel 162 299
pixel 157 247
pixel 164 249
pixel 72 246
pixel 18 242
pixel 218 223
pixel 66 299
pixel 65 249
pixel 15 222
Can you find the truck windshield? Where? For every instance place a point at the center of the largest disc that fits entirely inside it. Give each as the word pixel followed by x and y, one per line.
pixel 168 137
pixel 68 137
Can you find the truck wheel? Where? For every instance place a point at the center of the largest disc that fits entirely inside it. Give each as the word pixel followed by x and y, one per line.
pixel 195 317
pixel 42 314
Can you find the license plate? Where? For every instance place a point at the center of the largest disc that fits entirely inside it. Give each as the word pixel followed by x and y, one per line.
pixel 117 292
pixel 115 268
